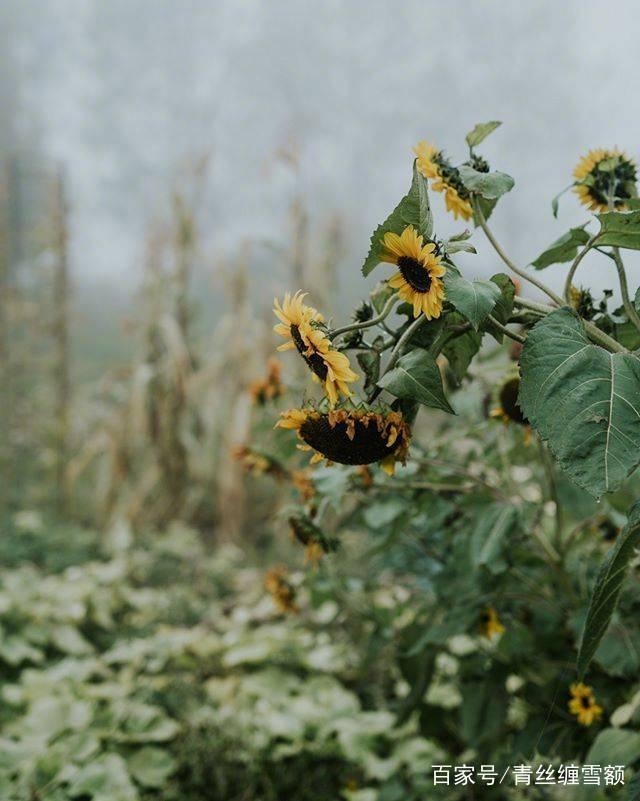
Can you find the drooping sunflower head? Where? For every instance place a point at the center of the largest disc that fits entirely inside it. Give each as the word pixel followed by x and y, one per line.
pixel 604 179
pixel 281 590
pixel 419 271
pixel 583 704
pixel 351 436
pixel 302 326
pixel 490 625
pixel 433 164
pixel 508 409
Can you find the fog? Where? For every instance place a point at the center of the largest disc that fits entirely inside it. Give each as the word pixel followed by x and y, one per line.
pixel 123 92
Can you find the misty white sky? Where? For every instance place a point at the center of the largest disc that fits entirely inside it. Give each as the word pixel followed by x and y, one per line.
pixel 122 92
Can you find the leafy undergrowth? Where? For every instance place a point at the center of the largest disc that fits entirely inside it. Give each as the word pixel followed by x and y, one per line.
pixel 165 673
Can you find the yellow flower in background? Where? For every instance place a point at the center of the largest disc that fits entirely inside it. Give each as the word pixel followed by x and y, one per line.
pixel 432 164
pixel 583 704
pixel 266 389
pixel 281 590
pixel 603 176
pixel 331 367
pixel 419 271
pixel 490 625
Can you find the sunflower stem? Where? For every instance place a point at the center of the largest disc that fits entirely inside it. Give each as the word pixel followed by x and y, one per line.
pixel 574 266
pixel 505 330
pixel 517 270
pixel 593 332
pixel 386 311
pixel 629 308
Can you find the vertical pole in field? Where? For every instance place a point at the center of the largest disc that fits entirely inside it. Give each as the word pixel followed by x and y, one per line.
pixel 61 359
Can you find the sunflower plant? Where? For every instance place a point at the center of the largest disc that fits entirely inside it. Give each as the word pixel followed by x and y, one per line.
pixel 460 388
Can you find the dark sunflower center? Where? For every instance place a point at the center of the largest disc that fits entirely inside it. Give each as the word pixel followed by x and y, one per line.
pixel 509 401
pixel 586 702
pixel 367 446
pixel 415 274
pixel 315 362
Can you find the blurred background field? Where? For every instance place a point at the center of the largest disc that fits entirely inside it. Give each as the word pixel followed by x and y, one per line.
pixel 166 168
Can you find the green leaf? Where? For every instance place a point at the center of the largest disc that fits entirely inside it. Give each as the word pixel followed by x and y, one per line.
pixel 490 535
pixel 151 766
pixel 633 788
pixel 583 400
pixel 451 247
pixel 417 377
pixel 504 305
pixel 486 207
pixel 458 243
pixel 607 589
pixel 563 249
pixel 614 747
pixel 104 779
pixel 474 299
pixel 461 350
pixel 369 362
pixel 413 209
pixel 480 132
pixel 620 229
pixel 489 185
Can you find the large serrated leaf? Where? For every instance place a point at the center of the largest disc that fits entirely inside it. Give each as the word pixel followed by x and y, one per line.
pixel 620 229
pixel 473 299
pixel 417 377
pixel 607 589
pixel 583 400
pixel 413 209
pixel 564 249
pixel 480 132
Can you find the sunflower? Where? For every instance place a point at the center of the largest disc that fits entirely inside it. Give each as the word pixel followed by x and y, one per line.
pixel 354 437
pixel 266 389
pixel 281 590
pixel 604 176
pixel 317 544
pixel 583 704
pixel 300 325
pixel 509 409
pixel 418 277
pixel 258 464
pixel 433 164
pixel 490 625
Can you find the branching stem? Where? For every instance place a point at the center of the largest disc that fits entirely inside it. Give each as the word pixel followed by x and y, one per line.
pixel 388 306
pixel 505 330
pixel 517 270
pixel 575 264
